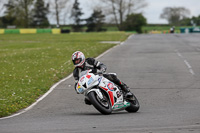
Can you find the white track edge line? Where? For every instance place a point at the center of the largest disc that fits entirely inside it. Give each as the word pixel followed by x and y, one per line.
pixel 186 62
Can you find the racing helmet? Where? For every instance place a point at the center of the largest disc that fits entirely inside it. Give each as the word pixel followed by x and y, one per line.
pixel 78 58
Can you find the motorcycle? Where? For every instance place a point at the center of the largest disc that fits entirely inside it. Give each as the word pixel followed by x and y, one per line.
pixel 103 94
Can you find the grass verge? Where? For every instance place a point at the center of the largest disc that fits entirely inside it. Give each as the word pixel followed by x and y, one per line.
pixel 31 64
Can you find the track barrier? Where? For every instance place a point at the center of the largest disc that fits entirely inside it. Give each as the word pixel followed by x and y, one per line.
pixel 32 31
pixel 190 30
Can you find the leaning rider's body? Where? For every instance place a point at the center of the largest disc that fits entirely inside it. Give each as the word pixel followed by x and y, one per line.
pixel 82 64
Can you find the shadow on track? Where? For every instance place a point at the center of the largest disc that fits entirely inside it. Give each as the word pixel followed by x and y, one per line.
pixel 98 114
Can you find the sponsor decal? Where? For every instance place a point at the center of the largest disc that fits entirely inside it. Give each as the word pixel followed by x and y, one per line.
pixel 90 81
pixel 110 86
pixel 121 105
pixel 99 79
pixel 88 76
pixel 118 94
pixel 82 79
pixel 80 90
pixel 118 106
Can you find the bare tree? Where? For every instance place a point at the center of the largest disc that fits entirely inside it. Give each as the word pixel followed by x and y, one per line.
pixel 174 14
pixel 119 9
pixel 58 6
pixel 66 14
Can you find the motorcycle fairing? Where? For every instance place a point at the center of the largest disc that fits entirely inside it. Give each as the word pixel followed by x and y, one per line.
pixel 89 80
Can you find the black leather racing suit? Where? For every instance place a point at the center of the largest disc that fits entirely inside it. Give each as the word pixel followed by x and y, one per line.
pixel 91 63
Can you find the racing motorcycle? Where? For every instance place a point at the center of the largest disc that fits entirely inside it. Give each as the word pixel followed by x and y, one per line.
pixel 103 94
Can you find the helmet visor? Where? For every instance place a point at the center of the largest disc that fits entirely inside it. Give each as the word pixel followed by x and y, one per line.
pixel 77 61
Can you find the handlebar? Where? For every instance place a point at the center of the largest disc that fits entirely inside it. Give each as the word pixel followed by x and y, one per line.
pixel 100 73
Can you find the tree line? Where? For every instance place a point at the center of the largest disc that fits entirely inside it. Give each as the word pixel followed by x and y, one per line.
pixel 124 14
pixel 34 13
pixel 179 16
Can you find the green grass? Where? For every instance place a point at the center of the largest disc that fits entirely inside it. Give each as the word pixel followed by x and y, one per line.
pixel 166 29
pixel 31 64
pixel 149 28
pixel 108 28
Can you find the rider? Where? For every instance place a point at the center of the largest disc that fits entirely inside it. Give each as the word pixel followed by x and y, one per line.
pixel 82 64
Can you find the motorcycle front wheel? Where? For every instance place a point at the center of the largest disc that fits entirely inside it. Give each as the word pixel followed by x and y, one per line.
pixel 134 107
pixel 102 106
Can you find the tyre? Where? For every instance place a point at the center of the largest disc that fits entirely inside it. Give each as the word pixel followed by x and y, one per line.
pixel 134 107
pixel 102 106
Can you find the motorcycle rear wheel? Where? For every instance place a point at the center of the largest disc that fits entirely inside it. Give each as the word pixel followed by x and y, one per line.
pixel 102 106
pixel 134 107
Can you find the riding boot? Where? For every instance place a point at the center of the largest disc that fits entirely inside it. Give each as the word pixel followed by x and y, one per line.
pixel 126 90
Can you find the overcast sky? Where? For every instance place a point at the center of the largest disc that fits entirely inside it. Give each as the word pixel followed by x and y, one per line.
pixel 154 9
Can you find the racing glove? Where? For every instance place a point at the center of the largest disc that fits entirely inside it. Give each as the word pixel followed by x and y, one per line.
pixel 103 68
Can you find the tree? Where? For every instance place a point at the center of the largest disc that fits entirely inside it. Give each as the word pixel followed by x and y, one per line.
pixel 40 12
pixel 57 7
pixel 134 22
pixel 174 14
pixel 10 14
pixel 193 21
pixel 23 10
pixel 20 10
pixel 76 16
pixel 185 22
pixel 119 9
pixel 196 20
pixel 95 22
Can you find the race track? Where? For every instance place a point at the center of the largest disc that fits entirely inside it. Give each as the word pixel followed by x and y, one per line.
pixel 163 71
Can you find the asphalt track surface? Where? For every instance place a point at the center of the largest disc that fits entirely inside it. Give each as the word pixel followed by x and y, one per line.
pixel 163 71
